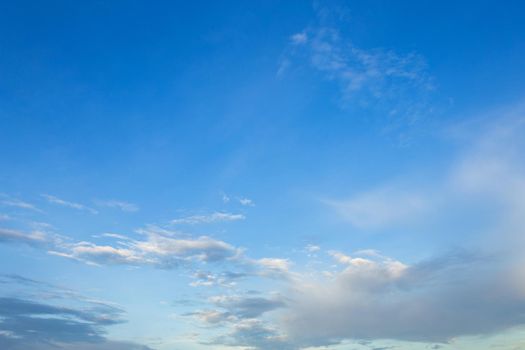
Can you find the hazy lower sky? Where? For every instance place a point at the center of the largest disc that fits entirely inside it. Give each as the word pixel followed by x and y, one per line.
pixel 262 175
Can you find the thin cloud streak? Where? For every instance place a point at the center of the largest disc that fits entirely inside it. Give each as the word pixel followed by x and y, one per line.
pixel 55 200
pixel 215 217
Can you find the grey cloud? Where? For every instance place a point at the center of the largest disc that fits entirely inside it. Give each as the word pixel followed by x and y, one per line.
pixel 242 314
pixel 247 307
pixel 8 343
pixel 431 302
pixel 27 324
pixel 222 279
pixel 17 236
pixel 30 321
pixel 254 334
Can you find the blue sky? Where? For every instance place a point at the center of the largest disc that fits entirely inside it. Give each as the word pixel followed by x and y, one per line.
pixel 234 175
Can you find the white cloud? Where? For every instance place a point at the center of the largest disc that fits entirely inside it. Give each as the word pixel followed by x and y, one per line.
pixel 77 206
pixel 397 85
pixel 246 202
pixel 209 218
pixel 312 248
pixel 299 38
pixel 17 203
pixel 276 264
pixel 114 235
pixel 160 248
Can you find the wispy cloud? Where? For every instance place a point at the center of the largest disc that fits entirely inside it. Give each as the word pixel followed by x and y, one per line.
pixel 73 205
pixel 378 73
pixel 16 236
pixel 17 203
pixel 246 202
pixel 383 207
pixel 299 38
pixel 124 206
pixel 397 86
pixel 208 218
pixel 160 248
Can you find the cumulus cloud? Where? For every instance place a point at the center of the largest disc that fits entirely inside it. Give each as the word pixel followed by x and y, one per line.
pixel 64 203
pixel 253 334
pixel 440 299
pixel 241 315
pixel 433 301
pixel 208 219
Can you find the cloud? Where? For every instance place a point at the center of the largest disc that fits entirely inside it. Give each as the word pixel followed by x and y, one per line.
pixel 232 309
pixel 247 307
pixel 34 325
pixel 77 206
pixel 17 203
pixel 253 334
pixel 224 279
pixel 160 248
pixel 211 317
pixel 299 38
pixel 16 236
pixel 377 72
pixel 121 205
pixel 433 301
pixel 459 294
pixel 113 235
pixel 273 267
pixel 246 202
pixel 381 208
pixel 208 219
pixel 312 248
pixel 395 85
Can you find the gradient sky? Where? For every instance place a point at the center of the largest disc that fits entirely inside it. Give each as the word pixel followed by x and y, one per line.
pixel 262 175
